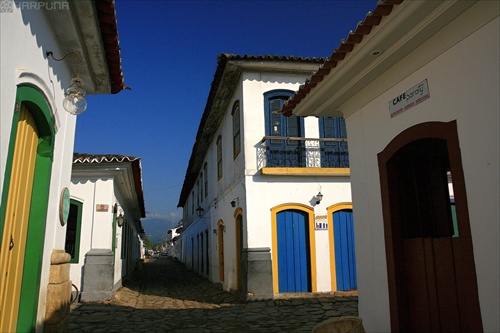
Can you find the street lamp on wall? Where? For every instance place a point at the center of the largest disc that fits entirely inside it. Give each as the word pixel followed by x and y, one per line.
pixel 120 220
pixel 199 211
pixel 74 102
pixel 319 197
pixel 234 202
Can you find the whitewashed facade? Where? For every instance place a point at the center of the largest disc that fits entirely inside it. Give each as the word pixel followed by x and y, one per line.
pixel 232 192
pixel 173 242
pixel 103 189
pixel 447 53
pixel 32 90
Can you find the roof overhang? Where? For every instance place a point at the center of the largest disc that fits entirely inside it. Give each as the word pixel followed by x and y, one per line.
pixel 89 28
pixel 229 69
pixel 403 28
pixel 125 170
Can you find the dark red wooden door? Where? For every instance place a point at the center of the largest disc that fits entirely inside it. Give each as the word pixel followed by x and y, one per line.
pixel 431 272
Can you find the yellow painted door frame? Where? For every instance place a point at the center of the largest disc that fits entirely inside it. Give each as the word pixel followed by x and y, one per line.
pixel 239 245
pixel 18 206
pixel 331 231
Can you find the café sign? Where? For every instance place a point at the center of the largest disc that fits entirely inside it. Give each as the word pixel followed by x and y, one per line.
pixel 410 98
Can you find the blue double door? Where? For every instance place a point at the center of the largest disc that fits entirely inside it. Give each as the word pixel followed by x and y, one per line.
pixel 345 254
pixel 294 260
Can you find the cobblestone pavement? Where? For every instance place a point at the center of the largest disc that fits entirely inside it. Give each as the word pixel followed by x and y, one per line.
pixel 166 297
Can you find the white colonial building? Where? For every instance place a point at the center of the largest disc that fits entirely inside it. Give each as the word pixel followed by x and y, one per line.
pixel 44 46
pixel 174 241
pixel 418 84
pixel 261 190
pixel 104 228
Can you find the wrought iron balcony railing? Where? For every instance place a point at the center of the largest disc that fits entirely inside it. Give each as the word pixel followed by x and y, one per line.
pixel 292 152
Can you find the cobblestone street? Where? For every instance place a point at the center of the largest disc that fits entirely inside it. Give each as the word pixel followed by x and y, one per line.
pixel 166 297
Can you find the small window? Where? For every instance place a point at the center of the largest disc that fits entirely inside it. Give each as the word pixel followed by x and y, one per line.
pixel 206 179
pixel 192 203
pixel 198 193
pixel 276 123
pixel 201 187
pixel 334 153
pixel 332 127
pixel 236 129
pixel 73 228
pixel 219 157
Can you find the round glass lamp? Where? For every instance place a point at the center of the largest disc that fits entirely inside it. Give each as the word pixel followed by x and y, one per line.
pixel 75 102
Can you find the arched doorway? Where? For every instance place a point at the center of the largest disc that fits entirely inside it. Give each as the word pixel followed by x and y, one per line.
pixel 22 224
pixel 431 271
pixel 239 247
pixel 294 259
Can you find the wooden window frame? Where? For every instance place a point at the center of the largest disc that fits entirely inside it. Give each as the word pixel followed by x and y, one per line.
pixel 219 157
pixel 236 129
pixel 78 226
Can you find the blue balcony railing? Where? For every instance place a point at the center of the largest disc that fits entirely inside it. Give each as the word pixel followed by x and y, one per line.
pixel 292 152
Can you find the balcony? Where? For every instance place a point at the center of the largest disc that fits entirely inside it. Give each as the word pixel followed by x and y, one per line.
pixel 292 155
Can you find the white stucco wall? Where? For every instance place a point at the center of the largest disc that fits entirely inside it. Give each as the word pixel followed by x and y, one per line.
pixel 82 191
pixel 464 86
pixel 256 194
pixel 96 227
pixel 25 37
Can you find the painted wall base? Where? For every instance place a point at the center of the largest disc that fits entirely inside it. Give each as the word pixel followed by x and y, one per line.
pixel 257 273
pixel 98 276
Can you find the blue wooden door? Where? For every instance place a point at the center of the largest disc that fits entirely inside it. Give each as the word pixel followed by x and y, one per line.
pixel 294 265
pixel 345 255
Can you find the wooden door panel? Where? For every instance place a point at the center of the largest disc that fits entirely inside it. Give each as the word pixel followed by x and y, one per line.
pixel 16 220
pixel 345 255
pixel 431 271
pixel 293 252
pixel 446 284
pixel 220 234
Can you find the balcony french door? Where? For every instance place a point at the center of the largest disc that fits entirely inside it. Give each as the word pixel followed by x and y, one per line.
pixel 283 153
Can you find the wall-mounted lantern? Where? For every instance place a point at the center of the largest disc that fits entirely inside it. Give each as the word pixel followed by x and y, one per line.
pixel 235 202
pixel 200 211
pixel 74 102
pixel 120 220
pixel 319 197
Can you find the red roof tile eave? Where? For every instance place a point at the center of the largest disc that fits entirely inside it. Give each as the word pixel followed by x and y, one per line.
pixel 222 61
pixel 383 8
pixel 106 15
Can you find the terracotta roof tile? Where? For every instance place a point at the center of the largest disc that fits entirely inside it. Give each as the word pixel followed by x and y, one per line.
pixel 106 14
pixel 373 18
pixel 222 60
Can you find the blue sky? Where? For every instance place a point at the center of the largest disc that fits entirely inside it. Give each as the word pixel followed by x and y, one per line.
pixel 169 55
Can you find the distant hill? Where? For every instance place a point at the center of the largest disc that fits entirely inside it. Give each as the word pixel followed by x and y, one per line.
pixel 156 229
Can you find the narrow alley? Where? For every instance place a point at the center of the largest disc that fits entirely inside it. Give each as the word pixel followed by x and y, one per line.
pixel 166 297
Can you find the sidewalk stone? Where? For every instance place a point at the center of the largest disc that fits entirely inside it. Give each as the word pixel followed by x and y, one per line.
pixel 166 297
